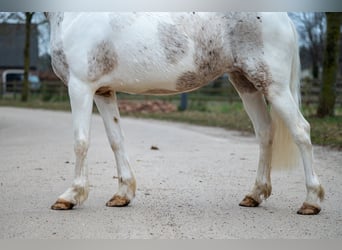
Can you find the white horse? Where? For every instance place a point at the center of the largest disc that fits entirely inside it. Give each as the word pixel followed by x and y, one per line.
pixel 99 54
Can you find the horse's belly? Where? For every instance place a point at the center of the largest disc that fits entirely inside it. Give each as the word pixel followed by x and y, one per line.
pixel 148 53
pixel 159 82
pixel 151 67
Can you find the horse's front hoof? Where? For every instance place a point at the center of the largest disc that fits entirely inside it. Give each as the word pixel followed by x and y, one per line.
pixel 249 202
pixel 61 204
pixel 118 201
pixel 308 209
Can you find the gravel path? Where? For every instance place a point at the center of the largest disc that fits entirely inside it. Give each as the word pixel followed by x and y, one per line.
pixel 189 188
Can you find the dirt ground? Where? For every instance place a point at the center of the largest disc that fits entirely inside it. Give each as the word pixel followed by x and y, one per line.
pixel 189 188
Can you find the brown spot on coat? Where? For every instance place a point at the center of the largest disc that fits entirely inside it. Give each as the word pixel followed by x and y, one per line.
pixel 116 120
pixel 59 63
pixel 321 193
pixel 210 58
pixel 114 146
pixel 261 77
pixel 241 83
pixel 174 42
pixel 60 17
pixel 102 59
pixel 188 80
pixel 55 17
pixel 105 92
pixel 252 78
pixel 247 51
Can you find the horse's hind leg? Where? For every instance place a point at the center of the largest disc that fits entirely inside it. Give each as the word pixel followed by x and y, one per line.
pixel 256 109
pixel 284 105
pixel 81 99
pixel 107 106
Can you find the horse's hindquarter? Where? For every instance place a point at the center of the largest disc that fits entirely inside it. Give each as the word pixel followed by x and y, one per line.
pixel 157 53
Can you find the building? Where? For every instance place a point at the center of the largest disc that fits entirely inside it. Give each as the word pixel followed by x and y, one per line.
pixel 12 44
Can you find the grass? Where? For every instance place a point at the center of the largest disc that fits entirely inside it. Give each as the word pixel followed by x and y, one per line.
pixel 36 102
pixel 327 131
pixel 230 116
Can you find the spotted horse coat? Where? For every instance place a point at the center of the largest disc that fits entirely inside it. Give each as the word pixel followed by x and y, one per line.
pixel 99 54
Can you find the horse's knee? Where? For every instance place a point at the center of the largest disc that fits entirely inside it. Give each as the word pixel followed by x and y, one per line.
pixel 81 147
pixel 265 137
pixel 116 141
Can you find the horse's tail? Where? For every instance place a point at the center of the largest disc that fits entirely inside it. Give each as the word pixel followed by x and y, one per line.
pixel 285 153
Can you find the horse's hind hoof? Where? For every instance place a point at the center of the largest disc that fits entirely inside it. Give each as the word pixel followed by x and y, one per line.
pixel 249 202
pixel 61 204
pixel 118 201
pixel 308 209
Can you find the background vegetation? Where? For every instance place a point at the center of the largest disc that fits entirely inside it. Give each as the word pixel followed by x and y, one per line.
pixel 218 107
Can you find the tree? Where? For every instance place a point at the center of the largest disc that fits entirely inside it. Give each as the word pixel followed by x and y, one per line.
pixel 330 65
pixel 311 28
pixel 25 89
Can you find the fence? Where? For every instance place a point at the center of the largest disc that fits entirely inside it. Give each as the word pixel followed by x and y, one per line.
pixel 220 91
pixel 310 90
pixel 48 91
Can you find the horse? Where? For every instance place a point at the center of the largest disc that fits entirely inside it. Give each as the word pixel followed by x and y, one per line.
pixel 99 54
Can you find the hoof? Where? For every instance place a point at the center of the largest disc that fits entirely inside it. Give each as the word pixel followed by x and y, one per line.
pixel 61 204
pixel 308 209
pixel 118 201
pixel 248 202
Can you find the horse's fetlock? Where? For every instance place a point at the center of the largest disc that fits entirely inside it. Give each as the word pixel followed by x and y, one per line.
pixel 263 189
pixel 81 190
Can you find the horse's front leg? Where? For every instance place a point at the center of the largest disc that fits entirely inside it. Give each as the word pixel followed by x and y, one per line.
pixel 256 109
pixel 81 99
pixel 107 106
